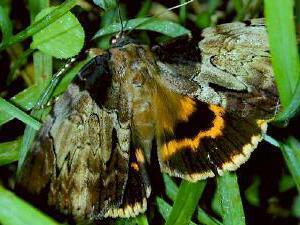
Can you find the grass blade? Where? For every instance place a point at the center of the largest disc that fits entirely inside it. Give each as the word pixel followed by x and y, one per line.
pixel 5 24
pixel 19 114
pixel 204 218
pixel 291 153
pixel 9 151
pixel 28 97
pixel 283 46
pixel 24 100
pixel 171 191
pixel 15 211
pixel 232 207
pixel 292 108
pixel 171 187
pixel 186 202
pixel 166 27
pixel 164 209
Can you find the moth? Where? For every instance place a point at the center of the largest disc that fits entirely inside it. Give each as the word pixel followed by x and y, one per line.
pixel 200 108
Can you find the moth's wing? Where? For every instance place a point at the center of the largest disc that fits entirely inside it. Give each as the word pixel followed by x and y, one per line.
pixel 137 189
pixel 80 158
pixel 197 140
pixel 233 68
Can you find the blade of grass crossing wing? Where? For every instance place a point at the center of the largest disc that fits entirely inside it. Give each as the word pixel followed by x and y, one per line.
pixel 232 207
pixel 186 202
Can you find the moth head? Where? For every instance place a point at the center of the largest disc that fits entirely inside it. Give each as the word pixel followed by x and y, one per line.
pixel 121 40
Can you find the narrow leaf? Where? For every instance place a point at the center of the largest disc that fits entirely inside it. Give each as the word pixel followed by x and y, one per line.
pixel 283 46
pixel 165 209
pixel 19 114
pixel 9 151
pixel 291 153
pixel 5 24
pixel 15 211
pixel 186 202
pixel 204 218
pixel 171 191
pixel 166 27
pixel 232 207
pixel 106 4
pixel 28 97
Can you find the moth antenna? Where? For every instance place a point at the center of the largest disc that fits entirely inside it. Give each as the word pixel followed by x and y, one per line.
pixel 162 13
pixel 120 18
pixel 175 7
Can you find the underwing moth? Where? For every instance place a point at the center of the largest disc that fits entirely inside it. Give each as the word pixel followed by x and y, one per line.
pixel 202 108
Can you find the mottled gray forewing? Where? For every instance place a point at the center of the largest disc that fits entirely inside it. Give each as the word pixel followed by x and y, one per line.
pixel 80 157
pixel 234 69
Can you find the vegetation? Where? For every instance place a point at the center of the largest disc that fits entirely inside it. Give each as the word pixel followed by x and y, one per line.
pixel 38 40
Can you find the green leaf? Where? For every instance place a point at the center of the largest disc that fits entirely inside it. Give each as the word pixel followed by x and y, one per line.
pixel 232 207
pixel 5 24
pixel 291 153
pixel 216 203
pixel 166 27
pixel 139 220
pixel 9 151
pixel 165 209
pixel 24 100
pixel 296 207
pixel 286 183
pixel 21 60
pixel 18 113
pixel 35 6
pixel 28 97
pixel 205 219
pixel 63 38
pixel 39 25
pixel 171 191
pixel 106 4
pixel 292 109
pixel 186 202
pixel 171 187
pixel 283 46
pixel 252 192
pixel 15 211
